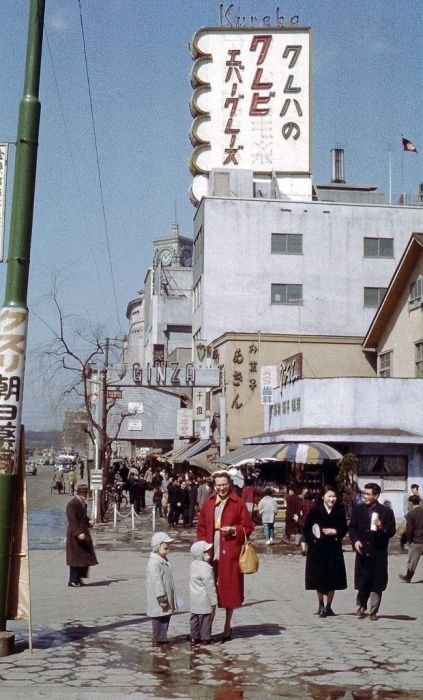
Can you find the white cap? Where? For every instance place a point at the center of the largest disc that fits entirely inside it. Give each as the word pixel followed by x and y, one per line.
pixel 160 537
pixel 198 548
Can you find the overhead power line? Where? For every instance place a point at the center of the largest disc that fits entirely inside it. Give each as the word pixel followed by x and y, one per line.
pixel 106 230
pixel 69 144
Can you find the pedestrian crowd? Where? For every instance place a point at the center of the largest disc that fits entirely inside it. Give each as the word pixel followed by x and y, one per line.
pixel 224 523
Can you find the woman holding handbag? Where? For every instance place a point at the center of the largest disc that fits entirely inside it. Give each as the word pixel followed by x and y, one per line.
pixel 225 521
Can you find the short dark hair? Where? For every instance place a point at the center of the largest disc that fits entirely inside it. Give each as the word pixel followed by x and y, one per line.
pixel 374 488
pixel 415 500
pixel 414 486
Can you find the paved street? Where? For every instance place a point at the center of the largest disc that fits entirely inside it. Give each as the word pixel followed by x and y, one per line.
pixel 95 641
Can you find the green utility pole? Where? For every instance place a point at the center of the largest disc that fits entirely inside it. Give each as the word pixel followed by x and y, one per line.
pixel 14 313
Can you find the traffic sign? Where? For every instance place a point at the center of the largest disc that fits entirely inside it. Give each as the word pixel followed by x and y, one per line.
pixel 96 480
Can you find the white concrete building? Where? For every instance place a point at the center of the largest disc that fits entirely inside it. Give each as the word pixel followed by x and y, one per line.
pixel 310 274
pixel 168 298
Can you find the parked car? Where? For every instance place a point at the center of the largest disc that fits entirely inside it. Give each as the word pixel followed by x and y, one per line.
pixel 30 468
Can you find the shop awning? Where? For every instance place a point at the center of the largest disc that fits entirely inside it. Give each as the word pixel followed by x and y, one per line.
pixel 192 450
pixel 249 455
pixel 207 460
pixel 301 453
pixel 173 454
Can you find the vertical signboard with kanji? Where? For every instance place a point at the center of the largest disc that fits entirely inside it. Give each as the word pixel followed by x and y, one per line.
pixel 13 328
pixel 268 382
pixel 251 102
pixel 184 422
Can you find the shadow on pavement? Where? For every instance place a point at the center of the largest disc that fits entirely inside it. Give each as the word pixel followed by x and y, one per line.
pixel 75 631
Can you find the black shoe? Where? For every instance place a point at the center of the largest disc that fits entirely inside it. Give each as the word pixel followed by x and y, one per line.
pixel 329 612
pixel 72 584
pixel 321 611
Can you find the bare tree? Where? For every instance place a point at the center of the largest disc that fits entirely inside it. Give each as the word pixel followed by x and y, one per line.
pixel 74 360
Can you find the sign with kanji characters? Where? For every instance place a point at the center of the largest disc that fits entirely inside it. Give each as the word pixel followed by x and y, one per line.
pixel 184 422
pixel 114 393
pixel 199 403
pixel 13 325
pixel 251 101
pixel 134 425
pixel 268 376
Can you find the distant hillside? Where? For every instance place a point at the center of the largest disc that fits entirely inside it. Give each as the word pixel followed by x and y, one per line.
pixel 43 439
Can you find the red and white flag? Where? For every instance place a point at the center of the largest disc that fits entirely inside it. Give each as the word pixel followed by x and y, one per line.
pixel 408 145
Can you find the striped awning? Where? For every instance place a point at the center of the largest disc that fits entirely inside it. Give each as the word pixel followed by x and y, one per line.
pixel 301 453
pixel 192 450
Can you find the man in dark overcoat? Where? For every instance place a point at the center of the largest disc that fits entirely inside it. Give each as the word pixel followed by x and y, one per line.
pixel 371 527
pixel 80 552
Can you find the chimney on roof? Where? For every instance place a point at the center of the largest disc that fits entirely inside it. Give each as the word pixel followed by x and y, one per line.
pixel 337 161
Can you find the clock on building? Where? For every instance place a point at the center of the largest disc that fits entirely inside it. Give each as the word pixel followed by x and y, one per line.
pixel 186 257
pixel 166 256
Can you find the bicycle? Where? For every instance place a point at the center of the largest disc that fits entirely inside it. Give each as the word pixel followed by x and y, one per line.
pixel 114 495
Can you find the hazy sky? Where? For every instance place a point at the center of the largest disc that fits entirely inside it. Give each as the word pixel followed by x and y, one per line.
pixel 367 90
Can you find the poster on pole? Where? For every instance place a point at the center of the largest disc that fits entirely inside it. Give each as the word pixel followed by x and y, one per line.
pixel 3 178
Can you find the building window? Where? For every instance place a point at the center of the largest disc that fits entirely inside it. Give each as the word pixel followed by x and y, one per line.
pixel 287 243
pixel 378 247
pixel 382 466
pixel 287 294
pixel 373 296
pixel 197 295
pixel 416 293
pixel 419 359
pixel 385 364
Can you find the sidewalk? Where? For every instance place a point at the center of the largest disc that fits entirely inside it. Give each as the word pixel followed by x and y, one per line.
pixel 94 642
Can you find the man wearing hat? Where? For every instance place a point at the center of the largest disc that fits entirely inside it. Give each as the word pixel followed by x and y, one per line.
pixel 160 588
pixel 80 552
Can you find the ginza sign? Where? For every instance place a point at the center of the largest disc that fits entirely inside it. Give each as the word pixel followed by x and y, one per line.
pixel 251 101
pixel 173 374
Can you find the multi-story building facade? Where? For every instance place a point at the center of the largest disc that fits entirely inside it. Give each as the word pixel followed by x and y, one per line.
pixel 168 298
pixel 274 277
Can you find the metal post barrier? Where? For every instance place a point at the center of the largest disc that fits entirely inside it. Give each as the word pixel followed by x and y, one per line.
pixel 114 516
pixel 153 519
pixel 133 517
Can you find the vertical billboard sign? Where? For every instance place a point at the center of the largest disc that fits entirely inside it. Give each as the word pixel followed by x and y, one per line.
pixel 251 102
pixel 268 382
pixel 184 422
pixel 3 177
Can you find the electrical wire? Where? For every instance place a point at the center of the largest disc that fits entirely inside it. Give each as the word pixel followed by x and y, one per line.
pixel 69 144
pixel 106 230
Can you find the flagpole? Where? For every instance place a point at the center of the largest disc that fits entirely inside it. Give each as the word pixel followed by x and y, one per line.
pixel 402 176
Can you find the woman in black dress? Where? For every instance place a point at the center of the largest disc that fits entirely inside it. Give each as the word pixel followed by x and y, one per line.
pixel 324 530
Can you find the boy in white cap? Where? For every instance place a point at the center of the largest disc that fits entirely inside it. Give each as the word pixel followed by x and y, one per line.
pixel 161 597
pixel 203 596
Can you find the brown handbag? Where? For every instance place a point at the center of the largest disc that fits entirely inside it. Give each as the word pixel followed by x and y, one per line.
pixel 248 558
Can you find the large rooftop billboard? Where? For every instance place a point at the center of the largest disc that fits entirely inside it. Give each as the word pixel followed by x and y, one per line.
pixel 251 102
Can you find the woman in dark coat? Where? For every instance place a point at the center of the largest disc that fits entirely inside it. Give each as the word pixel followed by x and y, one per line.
pixel 293 513
pixel 79 545
pixel 324 530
